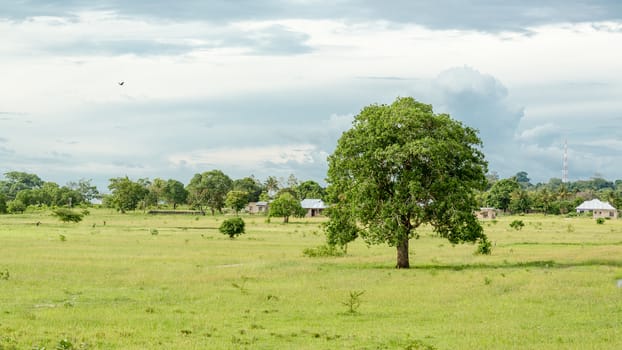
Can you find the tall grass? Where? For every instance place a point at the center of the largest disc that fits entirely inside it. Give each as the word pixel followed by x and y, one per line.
pixel 118 286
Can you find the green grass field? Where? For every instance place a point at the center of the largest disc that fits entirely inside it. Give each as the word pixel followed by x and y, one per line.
pixel 551 285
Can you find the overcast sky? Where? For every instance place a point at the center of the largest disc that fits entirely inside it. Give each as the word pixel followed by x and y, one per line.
pixel 267 87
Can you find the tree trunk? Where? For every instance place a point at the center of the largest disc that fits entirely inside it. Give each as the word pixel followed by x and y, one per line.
pixel 285 219
pixel 402 255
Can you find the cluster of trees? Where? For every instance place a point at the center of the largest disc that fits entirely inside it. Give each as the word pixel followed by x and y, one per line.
pixel 517 194
pixel 19 190
pixel 211 190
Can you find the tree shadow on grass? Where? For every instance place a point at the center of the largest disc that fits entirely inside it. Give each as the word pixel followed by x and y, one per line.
pixel 545 264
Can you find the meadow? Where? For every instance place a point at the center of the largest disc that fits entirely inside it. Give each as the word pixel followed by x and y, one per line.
pixel 137 281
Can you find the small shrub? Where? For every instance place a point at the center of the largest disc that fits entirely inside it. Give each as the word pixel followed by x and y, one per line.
pixel 62 237
pixel 67 215
pixel 354 301
pixel 232 227
pixel 484 247
pixel 323 251
pixel 517 224
pixel 154 232
pixel 600 221
pixel 85 212
pixel 65 345
pixel 16 206
pixel 4 275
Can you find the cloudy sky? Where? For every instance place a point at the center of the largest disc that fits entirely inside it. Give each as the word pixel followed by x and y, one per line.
pixel 267 87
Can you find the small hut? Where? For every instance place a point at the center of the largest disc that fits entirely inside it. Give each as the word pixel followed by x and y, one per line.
pixel 486 213
pixel 257 207
pixel 598 208
pixel 314 207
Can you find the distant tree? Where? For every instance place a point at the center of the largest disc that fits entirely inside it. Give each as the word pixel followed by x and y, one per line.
pixel 544 200
pixel 26 197
pixel 236 200
pixel 264 197
pixel 16 206
pixel 523 179
pixel 520 202
pixel 157 191
pixel 491 178
pixel 18 181
pixel 175 193
pixel 249 185
pixel 271 185
pixel 500 194
pixel 126 194
pixel 85 188
pixel 68 197
pixel 310 189
pixel 3 208
pixel 292 182
pixel 210 189
pixel 401 166
pixel 291 191
pixel 285 206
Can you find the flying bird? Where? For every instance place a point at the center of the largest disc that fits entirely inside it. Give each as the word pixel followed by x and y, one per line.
pixel 121 83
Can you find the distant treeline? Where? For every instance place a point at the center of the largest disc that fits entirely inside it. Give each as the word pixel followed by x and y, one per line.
pixel 214 190
pixel 518 195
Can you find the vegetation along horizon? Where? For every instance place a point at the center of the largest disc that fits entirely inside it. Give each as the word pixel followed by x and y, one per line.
pixel 403 186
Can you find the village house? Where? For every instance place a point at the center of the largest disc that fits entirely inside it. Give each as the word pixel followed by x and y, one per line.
pixel 314 207
pixel 486 213
pixel 598 208
pixel 257 208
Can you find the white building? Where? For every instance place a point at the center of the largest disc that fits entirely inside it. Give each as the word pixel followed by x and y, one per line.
pixel 599 209
pixel 314 207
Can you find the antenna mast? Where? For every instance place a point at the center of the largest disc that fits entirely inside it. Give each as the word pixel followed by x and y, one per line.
pixel 565 165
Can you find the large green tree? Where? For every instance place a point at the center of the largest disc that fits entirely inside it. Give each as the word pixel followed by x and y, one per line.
pixel 126 194
pixel 236 200
pixel 18 181
pixel 209 189
pixel 402 165
pixel 175 192
pixel 500 194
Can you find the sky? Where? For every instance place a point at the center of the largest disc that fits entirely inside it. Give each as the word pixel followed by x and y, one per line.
pixel 266 88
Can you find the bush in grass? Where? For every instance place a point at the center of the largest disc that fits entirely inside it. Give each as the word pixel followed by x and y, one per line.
pixel 323 251
pixel 600 221
pixel 67 215
pixel 232 227
pixel 16 206
pixel 484 247
pixel 3 208
pixel 517 224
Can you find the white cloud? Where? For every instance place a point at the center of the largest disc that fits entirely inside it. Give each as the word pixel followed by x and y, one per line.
pixel 250 157
pixel 276 92
pixel 538 131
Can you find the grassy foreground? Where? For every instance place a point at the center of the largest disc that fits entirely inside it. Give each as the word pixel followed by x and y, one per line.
pixel 552 285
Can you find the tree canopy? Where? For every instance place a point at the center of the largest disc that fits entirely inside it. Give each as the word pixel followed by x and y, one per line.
pixel 402 165
pixel 209 189
pixel 126 194
pixel 285 206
